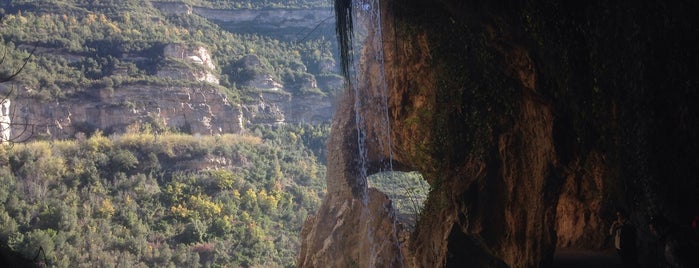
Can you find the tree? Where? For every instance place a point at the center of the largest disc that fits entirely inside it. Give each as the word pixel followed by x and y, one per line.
pixel 7 115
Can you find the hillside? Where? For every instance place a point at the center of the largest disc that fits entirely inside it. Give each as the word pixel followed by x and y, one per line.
pixel 170 200
pixel 162 133
pixel 90 57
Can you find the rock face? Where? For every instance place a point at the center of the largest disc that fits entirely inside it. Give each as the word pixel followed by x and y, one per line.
pixel 531 123
pixel 281 107
pixel 275 105
pixel 200 110
pixel 192 54
pixel 290 24
pixel 256 74
pixel 196 109
pixel 177 8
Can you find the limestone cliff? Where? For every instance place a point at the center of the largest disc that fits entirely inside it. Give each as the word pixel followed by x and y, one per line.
pixel 201 110
pixel 187 98
pixel 281 107
pixel 287 24
pixel 274 104
pixel 531 122
pixel 198 55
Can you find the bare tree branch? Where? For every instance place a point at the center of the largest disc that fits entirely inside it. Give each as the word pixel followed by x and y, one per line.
pixel 24 64
pixel 7 123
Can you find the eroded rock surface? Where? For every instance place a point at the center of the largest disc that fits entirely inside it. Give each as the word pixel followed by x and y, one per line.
pixel 530 122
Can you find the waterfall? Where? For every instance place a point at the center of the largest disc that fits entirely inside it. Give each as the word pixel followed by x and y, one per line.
pixel 360 31
pixel 366 35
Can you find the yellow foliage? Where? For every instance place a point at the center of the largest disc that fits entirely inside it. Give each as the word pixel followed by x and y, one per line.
pixel 245 217
pixel 90 19
pixel 268 201
pixel 180 211
pixel 48 166
pixel 204 206
pixel 224 179
pixel 106 209
pixel 314 171
pixel 98 142
pixel 38 148
pixel 251 195
pixel 21 18
pixel 128 200
pixel 136 140
pixel 175 190
pixel 262 194
pixel 113 27
pixel 65 145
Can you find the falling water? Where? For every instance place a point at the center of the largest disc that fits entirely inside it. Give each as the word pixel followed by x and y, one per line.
pixel 367 20
pixel 369 89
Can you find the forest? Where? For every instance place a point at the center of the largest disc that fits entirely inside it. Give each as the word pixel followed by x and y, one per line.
pixel 154 197
pixel 79 44
pixel 162 200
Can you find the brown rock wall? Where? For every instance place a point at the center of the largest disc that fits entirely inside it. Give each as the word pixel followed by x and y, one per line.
pixel 531 122
pixel 199 110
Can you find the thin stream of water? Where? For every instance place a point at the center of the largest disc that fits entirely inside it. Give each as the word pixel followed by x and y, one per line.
pixel 367 19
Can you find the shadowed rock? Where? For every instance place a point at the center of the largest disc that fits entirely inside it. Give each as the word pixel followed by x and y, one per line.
pixel 531 123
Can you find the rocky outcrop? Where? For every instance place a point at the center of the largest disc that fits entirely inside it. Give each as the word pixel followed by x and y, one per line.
pixel 531 123
pixel 348 231
pixel 253 73
pixel 177 8
pixel 197 55
pixel 264 82
pixel 200 110
pixel 274 104
pixel 586 198
pixel 273 108
pixel 288 24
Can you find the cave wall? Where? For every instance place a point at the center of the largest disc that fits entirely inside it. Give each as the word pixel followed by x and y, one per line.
pixel 532 122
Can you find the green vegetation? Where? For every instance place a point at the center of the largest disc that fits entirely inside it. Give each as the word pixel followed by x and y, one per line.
pixel 257 4
pixel 150 197
pixel 82 45
pixel 169 200
pixel 407 190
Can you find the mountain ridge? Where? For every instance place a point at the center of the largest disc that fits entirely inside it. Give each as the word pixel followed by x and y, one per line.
pixel 124 45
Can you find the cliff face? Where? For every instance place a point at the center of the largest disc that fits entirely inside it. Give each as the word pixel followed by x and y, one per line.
pixel 281 107
pixel 194 54
pixel 201 110
pixel 288 24
pixel 174 84
pixel 531 122
pixel 196 109
pixel 285 23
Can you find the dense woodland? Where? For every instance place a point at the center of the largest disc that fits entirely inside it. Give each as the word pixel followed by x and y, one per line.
pixel 166 200
pixel 79 44
pixel 150 198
